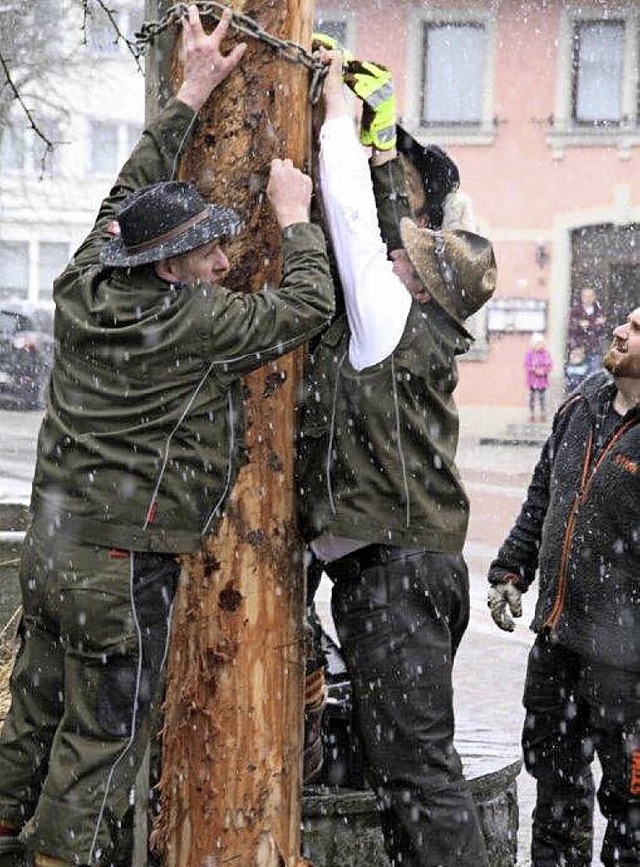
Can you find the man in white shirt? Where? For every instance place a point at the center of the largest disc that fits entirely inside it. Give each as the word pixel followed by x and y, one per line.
pixel 380 499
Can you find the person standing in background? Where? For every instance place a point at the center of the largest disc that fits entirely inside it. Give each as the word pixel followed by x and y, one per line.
pixel 537 365
pixel 587 329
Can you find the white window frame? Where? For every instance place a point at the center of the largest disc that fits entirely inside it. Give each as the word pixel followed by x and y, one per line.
pixel 565 132
pixel 18 291
pixel 32 147
pixel 32 241
pixel 125 142
pixel 485 131
pixel 45 296
pixel 93 125
pixel 17 131
pixel 113 48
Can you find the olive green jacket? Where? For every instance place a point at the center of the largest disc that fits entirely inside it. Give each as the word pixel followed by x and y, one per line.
pixel 143 434
pixel 376 447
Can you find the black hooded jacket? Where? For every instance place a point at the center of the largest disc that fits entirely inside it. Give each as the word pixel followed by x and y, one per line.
pixel 580 527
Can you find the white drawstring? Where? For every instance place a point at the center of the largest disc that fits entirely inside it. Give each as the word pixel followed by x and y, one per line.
pixel 331 430
pixel 396 405
pixel 134 713
pixel 165 459
pixel 176 159
pixel 232 445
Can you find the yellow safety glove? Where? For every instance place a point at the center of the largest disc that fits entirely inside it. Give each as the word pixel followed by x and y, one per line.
pixel 373 83
pixel 323 39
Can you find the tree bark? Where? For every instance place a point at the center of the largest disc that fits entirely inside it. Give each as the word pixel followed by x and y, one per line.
pixel 233 730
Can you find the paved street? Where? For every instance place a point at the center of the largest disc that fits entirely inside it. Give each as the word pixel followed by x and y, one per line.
pixel 491 664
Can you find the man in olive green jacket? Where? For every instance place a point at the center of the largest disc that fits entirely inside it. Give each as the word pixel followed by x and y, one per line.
pixel 380 498
pixel 138 451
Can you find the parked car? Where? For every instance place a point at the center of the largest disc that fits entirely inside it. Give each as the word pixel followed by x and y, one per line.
pixel 26 354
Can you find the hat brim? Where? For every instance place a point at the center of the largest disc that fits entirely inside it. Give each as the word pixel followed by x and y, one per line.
pixel 440 174
pixel 220 223
pixel 413 240
pixel 406 144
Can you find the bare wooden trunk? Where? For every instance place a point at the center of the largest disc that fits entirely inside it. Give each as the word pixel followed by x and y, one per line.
pixel 232 742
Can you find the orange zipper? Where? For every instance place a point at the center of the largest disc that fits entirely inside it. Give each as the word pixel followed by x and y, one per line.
pixel 585 483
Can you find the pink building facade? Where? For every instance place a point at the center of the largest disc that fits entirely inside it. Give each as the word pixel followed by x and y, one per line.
pixel 538 103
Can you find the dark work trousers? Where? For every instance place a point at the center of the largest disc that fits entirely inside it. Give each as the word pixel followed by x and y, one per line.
pixel 400 615
pixel 94 636
pixel 574 710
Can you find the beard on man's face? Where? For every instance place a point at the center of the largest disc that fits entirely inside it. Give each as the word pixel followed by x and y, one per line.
pixel 620 362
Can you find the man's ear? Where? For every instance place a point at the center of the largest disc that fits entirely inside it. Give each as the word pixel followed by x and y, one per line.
pixel 166 270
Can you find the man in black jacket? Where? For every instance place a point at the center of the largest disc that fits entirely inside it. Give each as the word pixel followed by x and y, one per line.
pixel 580 527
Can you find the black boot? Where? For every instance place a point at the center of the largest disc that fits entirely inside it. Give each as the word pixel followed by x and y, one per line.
pixel 315 698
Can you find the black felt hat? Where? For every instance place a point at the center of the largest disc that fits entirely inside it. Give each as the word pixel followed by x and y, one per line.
pixel 439 173
pixel 164 220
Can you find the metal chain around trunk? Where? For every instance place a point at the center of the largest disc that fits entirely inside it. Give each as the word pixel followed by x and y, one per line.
pixel 290 51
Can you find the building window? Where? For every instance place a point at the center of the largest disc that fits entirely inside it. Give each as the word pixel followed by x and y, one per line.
pixel 598 68
pixel 103 148
pixel 336 23
pixel 52 260
pixel 454 57
pixel 14 269
pixel 50 12
pixel 449 95
pixel 110 144
pixel 597 97
pixel 102 38
pixel 42 21
pixel 13 148
pixel 24 152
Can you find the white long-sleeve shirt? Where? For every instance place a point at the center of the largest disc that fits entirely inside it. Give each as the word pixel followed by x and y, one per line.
pixel 377 302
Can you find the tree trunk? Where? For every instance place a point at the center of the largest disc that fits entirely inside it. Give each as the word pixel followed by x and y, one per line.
pixel 233 732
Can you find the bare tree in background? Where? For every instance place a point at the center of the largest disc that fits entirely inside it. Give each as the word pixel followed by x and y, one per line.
pixel 41 45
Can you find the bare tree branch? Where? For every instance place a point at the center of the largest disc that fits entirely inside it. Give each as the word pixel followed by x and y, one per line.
pixel 132 46
pixel 16 93
pixel 33 60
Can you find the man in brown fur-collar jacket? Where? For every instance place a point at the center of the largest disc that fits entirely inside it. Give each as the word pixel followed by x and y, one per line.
pixel 580 528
